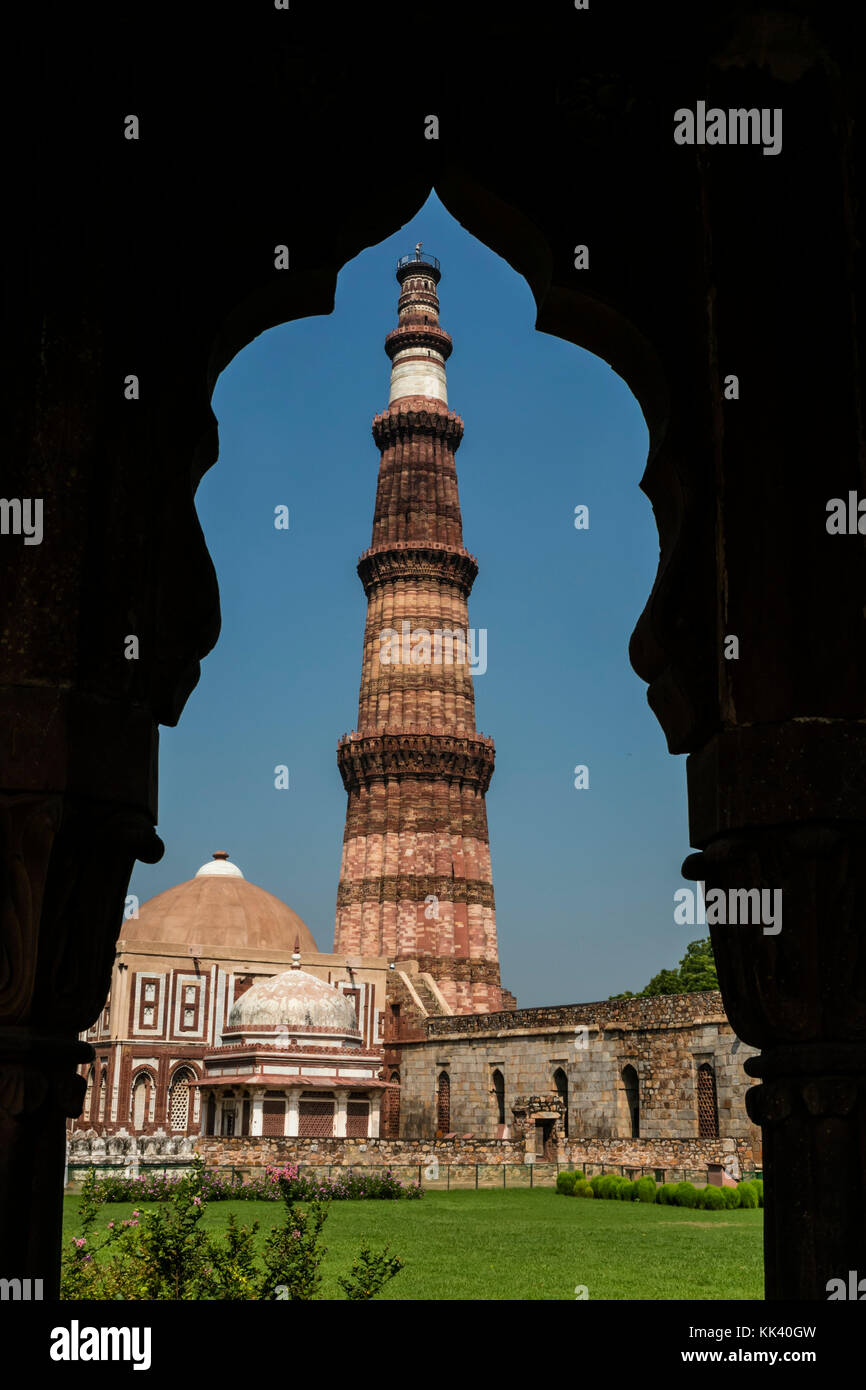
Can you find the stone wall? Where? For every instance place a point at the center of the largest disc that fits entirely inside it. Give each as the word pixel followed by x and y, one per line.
pixel 672 1157
pixel 660 1009
pixel 256 1153
pixel 665 1039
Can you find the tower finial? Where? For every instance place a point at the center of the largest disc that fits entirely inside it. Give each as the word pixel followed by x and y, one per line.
pixel 296 954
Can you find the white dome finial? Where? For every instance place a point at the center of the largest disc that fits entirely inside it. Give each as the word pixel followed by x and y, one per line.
pixel 219 867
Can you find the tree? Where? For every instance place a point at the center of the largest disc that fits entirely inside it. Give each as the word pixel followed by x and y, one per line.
pixel 696 973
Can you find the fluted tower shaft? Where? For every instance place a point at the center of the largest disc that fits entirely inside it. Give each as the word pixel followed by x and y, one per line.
pixel 415 880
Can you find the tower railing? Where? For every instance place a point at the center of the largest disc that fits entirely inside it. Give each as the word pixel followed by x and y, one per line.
pixel 418 259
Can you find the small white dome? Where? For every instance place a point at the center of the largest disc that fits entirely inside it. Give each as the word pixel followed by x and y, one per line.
pixel 295 1001
pixel 219 867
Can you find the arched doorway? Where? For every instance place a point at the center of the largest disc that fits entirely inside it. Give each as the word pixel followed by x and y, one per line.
pixel 560 1081
pixel 499 1100
pixel 701 204
pixel 140 1102
pixel 632 1099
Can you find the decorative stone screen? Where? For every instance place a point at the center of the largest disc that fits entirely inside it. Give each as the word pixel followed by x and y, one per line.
pixel 443 1103
pixel 708 1111
pixel 391 1110
pixel 273 1117
pixel 179 1103
pixel 357 1119
pixel 316 1119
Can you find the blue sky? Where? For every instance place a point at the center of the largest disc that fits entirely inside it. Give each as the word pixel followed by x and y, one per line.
pixel 584 880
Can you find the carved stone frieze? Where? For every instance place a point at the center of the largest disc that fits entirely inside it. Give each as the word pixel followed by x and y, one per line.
pixel 400 561
pixel 417 416
pixel 422 755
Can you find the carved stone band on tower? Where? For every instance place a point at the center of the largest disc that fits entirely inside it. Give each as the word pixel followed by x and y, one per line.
pixel 415 880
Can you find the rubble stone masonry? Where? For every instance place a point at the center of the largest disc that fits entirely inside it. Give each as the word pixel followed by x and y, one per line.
pixel 579 1053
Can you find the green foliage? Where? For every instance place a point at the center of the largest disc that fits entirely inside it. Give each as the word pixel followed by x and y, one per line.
pixel 293 1254
pixel 696 972
pixel 748 1194
pixel 610 1187
pixel 758 1184
pixel 266 1185
pixel 645 1189
pixel 665 982
pixel 698 967
pixel 484 1244
pixel 731 1196
pixel 565 1182
pixel 711 1198
pixel 166 1254
pixel 685 1195
pixel 232 1272
pixel 78 1266
pixel 607 1187
pixel 369 1273
pixel 665 1195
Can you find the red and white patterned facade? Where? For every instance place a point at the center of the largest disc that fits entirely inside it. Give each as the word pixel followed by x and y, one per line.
pixel 183 963
pixel 415 881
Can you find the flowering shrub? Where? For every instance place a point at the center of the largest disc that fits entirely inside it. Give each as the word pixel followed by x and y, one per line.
pixel 264 1187
pixel 167 1255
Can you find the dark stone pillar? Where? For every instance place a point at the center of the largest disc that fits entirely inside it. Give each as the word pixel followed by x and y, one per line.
pixel 66 867
pixel 800 993
pixel 777 793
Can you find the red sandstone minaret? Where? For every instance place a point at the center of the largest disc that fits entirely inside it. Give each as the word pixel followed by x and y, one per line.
pixel 415 880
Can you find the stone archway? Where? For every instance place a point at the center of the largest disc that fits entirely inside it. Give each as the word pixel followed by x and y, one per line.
pixel 676 296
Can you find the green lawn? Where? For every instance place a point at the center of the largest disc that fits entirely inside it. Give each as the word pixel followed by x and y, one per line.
pixel 521 1244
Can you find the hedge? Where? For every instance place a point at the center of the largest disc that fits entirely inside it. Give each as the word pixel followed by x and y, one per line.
pixel 613 1187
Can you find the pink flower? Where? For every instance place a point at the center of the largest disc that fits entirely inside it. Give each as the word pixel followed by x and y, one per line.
pixel 197 1201
pixel 111 1225
pixel 80 1241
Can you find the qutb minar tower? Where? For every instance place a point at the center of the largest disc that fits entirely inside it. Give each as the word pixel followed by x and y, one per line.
pixel 415 880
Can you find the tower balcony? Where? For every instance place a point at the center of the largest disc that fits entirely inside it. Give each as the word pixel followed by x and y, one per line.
pixel 422 264
pixel 419 335
pixel 423 752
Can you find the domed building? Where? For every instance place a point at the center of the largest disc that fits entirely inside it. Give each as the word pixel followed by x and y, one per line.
pixel 293 1063
pixel 195 965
